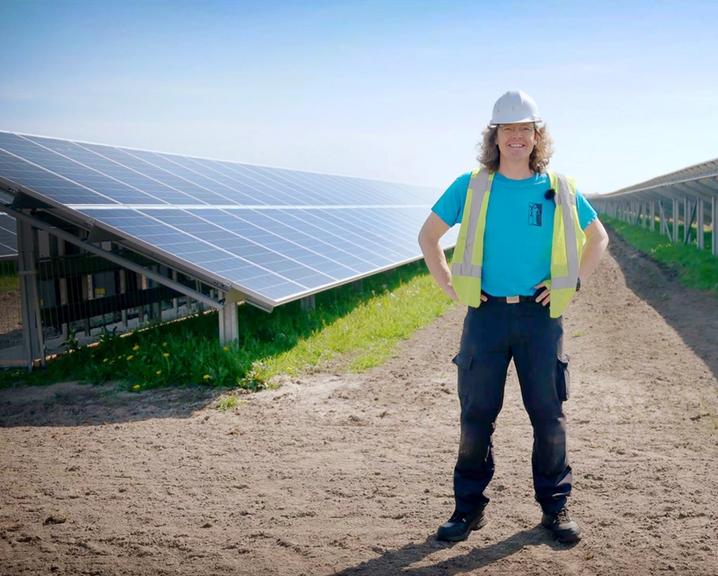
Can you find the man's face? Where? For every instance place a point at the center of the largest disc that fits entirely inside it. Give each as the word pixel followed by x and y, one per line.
pixel 516 141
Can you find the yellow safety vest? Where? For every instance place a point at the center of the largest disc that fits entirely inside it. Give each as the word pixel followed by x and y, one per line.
pixel 566 247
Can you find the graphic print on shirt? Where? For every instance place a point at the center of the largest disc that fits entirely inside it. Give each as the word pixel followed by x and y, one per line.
pixel 535 213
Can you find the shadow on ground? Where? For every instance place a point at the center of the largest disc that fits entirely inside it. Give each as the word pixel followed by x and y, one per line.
pixel 691 313
pixel 74 404
pixel 398 561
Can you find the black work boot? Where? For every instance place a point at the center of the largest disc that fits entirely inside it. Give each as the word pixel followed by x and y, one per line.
pixel 460 524
pixel 565 529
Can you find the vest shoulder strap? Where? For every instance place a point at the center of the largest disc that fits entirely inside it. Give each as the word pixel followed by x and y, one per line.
pixel 564 186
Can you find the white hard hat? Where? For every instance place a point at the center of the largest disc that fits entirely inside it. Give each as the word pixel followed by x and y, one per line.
pixel 513 107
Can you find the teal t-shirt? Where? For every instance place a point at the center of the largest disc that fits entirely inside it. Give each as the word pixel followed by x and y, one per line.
pixel 519 230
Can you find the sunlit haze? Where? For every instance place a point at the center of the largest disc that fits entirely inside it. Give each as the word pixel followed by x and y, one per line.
pixel 389 90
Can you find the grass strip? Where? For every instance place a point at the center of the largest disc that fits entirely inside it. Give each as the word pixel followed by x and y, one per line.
pixel 9 283
pixel 9 280
pixel 696 268
pixel 361 324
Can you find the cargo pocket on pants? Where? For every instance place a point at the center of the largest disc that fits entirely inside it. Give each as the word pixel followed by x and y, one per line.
pixel 462 360
pixel 563 386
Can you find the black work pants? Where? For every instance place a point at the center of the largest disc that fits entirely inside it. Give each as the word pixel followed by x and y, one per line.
pixel 495 333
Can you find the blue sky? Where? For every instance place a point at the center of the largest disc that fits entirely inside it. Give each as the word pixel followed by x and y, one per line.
pixel 389 90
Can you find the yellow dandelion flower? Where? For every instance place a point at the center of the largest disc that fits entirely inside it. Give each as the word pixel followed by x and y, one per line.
pixel 206 377
pixel 166 354
pixel 226 348
pixel 130 357
pixel 136 347
pixel 135 387
pixel 158 372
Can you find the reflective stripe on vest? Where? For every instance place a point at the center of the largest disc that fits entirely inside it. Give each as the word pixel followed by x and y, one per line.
pixel 478 188
pixel 567 201
pixel 466 266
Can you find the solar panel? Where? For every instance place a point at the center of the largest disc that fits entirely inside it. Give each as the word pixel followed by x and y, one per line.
pixel 8 237
pixel 273 234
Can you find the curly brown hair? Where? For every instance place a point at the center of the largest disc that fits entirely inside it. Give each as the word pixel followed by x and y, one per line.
pixel 540 155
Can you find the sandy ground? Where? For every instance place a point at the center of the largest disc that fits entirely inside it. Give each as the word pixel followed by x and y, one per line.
pixel 345 474
pixel 10 318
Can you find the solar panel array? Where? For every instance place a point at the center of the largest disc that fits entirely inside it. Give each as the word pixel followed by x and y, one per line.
pixel 274 234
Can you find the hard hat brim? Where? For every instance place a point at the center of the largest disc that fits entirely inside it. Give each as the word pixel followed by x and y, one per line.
pixel 539 123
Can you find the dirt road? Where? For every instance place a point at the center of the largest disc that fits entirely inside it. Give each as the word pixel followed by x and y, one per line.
pixel 351 474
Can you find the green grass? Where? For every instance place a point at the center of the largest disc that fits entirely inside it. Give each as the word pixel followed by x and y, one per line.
pixel 356 328
pixel 9 283
pixel 9 280
pixel 696 268
pixel 227 402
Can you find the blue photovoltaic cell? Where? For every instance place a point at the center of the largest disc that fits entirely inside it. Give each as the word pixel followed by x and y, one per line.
pixel 240 224
pixel 252 191
pixel 8 236
pixel 195 193
pixel 223 192
pixel 157 192
pixel 73 171
pixel 46 184
pixel 274 233
pixel 176 243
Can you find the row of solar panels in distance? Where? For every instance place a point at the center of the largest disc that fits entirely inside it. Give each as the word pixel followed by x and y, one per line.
pixel 73 173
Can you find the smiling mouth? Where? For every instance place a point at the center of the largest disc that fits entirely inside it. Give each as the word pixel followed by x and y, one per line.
pixel 517 146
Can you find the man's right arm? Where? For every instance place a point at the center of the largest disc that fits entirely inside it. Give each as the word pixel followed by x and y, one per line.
pixel 431 232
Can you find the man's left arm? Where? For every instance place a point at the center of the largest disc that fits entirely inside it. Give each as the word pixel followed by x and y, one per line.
pixel 596 243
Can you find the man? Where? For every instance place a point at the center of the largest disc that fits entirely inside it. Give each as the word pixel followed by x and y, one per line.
pixel 527 242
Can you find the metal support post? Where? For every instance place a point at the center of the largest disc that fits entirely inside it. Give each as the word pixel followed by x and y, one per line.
pixel 123 289
pixel 675 217
pixel 43 244
pixel 175 300
pixel 699 222
pixel 27 271
pixel 689 217
pixel 714 228
pixel 197 288
pixel 653 216
pixel 664 220
pixel 62 283
pixel 86 283
pixel 141 309
pixel 157 311
pixel 229 318
pixel 308 303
